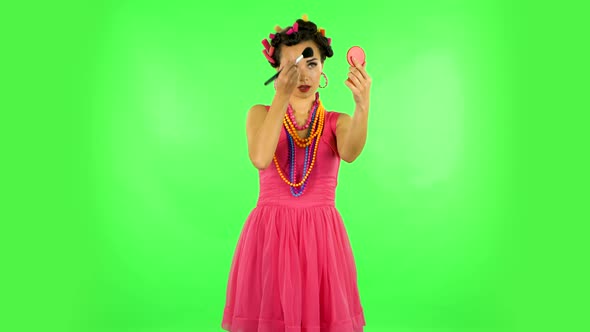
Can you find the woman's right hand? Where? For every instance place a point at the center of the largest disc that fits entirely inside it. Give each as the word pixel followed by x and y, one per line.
pixel 288 79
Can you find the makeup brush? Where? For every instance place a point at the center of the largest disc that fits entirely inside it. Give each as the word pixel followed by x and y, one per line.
pixel 307 53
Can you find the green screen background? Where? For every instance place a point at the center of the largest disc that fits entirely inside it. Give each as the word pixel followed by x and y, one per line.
pixel 127 179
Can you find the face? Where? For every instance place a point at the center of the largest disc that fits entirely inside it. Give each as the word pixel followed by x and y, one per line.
pixel 310 68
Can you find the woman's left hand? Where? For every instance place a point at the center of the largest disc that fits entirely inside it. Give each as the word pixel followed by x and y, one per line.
pixel 359 82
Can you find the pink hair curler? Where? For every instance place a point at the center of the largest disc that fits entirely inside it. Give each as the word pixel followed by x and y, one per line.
pixel 268 57
pixel 265 44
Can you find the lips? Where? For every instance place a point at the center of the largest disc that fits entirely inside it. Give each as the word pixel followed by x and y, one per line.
pixel 304 88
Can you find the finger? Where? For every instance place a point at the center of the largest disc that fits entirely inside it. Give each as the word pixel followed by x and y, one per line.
pixel 285 73
pixel 352 68
pixel 285 65
pixel 292 70
pixel 351 86
pixel 360 69
pixel 356 80
pixel 363 72
pixel 357 63
pixel 294 74
pixel 358 74
pixel 288 64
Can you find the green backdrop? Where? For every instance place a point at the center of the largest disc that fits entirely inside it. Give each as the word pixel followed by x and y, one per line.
pixel 128 182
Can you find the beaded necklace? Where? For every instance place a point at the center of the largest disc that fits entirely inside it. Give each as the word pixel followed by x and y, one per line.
pixel 310 143
pixel 292 117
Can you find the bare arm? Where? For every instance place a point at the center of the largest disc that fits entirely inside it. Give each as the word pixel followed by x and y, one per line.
pixel 351 134
pixel 263 130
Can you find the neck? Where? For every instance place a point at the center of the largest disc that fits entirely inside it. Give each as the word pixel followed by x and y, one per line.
pixel 302 105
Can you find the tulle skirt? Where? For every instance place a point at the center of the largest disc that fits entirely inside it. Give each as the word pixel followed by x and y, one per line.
pixel 293 270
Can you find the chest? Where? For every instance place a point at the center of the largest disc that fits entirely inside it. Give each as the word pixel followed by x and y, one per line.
pixel 327 144
pixel 300 122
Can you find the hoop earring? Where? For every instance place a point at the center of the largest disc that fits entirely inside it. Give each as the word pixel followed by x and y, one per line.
pixel 326 77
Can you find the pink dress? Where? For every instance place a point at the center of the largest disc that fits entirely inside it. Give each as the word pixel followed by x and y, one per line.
pixel 293 269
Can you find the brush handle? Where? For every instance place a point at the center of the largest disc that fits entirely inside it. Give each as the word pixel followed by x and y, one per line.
pixel 274 77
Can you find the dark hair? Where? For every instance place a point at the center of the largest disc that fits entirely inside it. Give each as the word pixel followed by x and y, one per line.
pixel 307 30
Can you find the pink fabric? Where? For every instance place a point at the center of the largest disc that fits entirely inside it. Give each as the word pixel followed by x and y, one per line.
pixel 293 268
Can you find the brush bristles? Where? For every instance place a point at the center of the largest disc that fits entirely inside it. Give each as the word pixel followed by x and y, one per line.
pixel 308 52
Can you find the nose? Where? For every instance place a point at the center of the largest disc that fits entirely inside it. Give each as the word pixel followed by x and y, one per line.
pixel 302 74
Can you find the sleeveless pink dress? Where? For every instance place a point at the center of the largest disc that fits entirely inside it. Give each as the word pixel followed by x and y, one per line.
pixel 293 269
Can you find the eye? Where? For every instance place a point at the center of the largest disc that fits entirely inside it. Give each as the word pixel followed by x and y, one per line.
pixel 312 64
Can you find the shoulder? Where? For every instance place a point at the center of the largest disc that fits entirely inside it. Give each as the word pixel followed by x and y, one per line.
pixel 257 111
pixel 342 119
pixel 258 108
pixel 255 116
pixel 337 115
pixel 341 123
pixel 334 120
pixel 341 116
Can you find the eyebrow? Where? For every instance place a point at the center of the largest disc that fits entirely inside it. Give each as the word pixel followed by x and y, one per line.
pixel 310 60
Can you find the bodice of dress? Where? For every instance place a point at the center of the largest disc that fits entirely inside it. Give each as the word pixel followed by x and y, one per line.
pixel 320 189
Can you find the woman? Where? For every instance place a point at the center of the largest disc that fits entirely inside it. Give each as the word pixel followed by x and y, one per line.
pixel 293 268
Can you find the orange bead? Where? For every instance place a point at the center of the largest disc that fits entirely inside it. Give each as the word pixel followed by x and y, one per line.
pixel 317 130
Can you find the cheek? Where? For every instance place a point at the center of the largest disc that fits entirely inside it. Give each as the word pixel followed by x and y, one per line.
pixel 317 72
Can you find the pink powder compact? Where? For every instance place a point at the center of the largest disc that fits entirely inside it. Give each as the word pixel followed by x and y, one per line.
pixel 357 53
